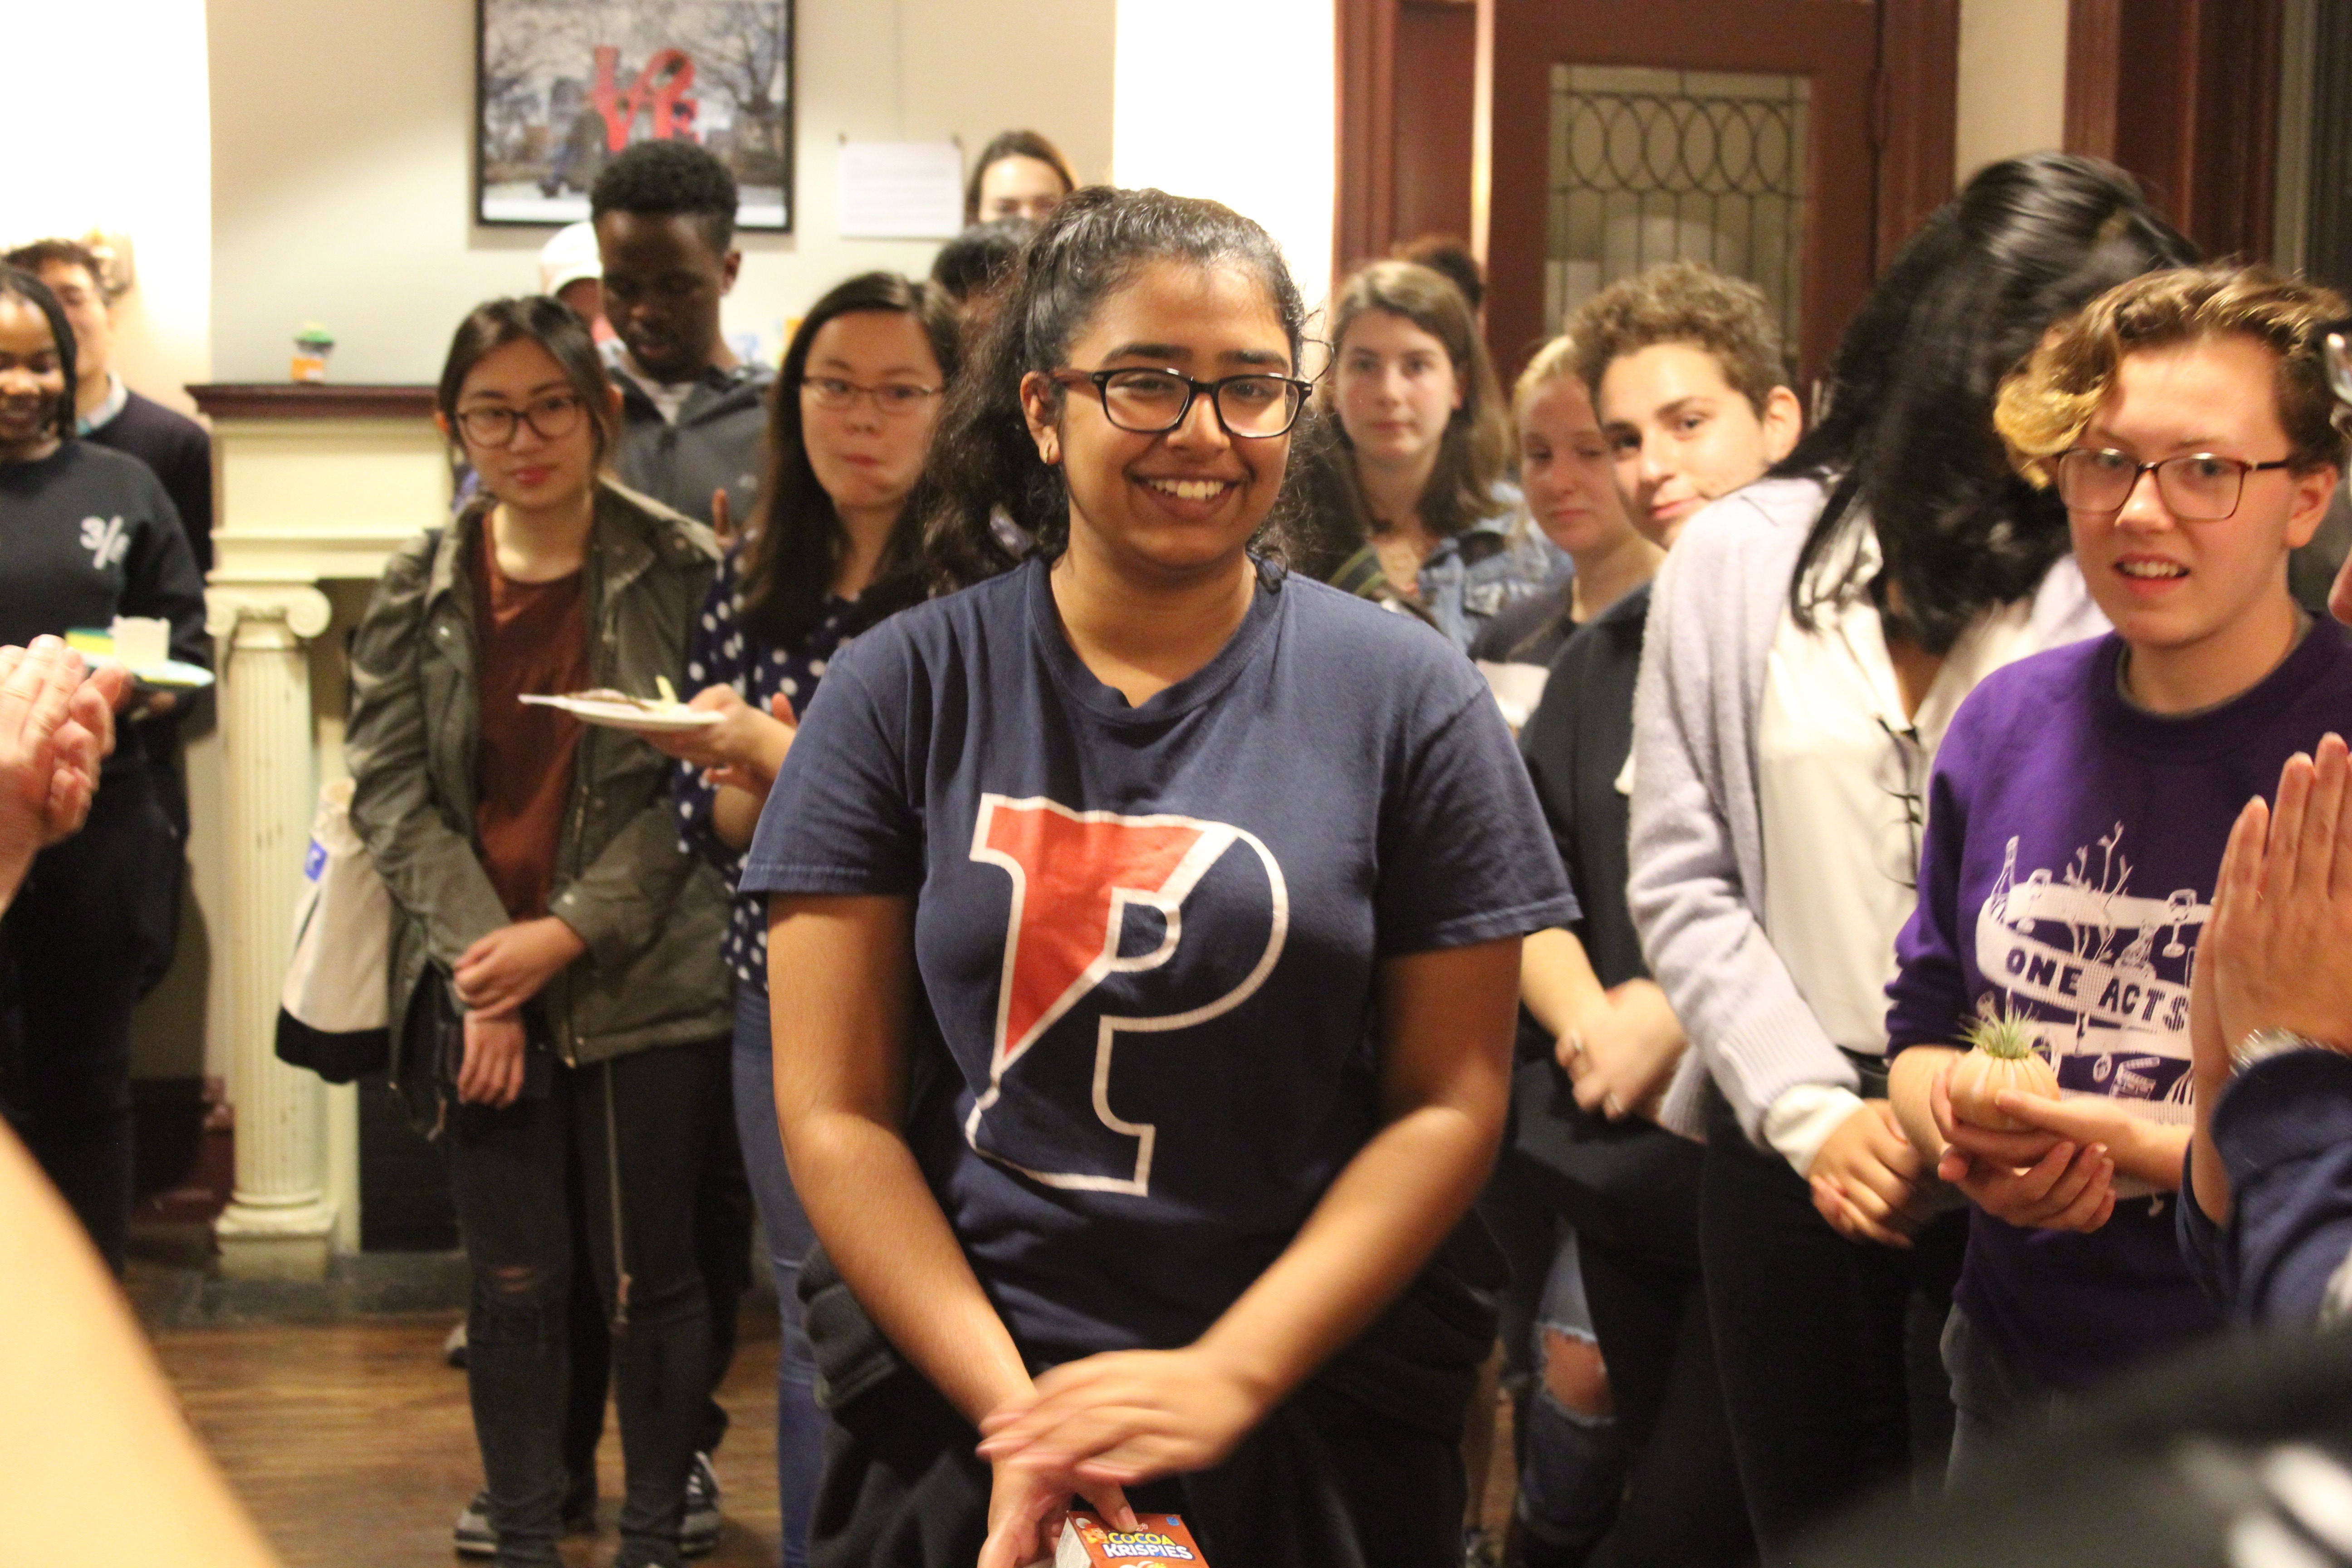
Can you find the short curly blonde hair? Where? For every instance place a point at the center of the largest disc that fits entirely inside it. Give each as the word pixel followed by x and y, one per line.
pixel 2046 403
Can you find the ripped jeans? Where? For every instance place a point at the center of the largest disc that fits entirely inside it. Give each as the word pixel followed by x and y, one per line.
pixel 508 1173
pixel 1573 1460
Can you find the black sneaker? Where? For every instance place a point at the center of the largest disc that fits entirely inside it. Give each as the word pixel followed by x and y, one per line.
pixel 474 1536
pixel 697 1535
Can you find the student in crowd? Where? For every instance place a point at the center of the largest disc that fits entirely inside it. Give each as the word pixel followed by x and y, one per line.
pixel 692 420
pixel 91 536
pixel 176 447
pixel 1578 509
pixel 838 546
pixel 1809 640
pixel 1018 174
pixel 555 974
pixel 1691 403
pixel 1200 1247
pixel 109 412
pixel 692 414
pixel 1410 497
pixel 2080 805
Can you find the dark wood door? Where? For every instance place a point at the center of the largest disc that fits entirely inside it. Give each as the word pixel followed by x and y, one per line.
pixel 1833 45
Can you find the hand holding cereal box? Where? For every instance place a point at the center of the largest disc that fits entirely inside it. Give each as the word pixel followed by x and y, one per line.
pixel 1089 1543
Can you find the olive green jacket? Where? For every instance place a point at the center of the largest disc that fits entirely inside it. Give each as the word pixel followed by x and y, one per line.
pixel 652 915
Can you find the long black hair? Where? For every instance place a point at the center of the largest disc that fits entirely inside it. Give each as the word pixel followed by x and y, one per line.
pixel 18 284
pixel 1907 440
pixel 984 460
pixel 790 559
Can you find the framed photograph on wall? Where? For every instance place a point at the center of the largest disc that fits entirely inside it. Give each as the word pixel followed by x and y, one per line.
pixel 561 86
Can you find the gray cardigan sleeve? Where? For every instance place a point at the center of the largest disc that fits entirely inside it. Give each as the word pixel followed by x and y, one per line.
pixel 1696 887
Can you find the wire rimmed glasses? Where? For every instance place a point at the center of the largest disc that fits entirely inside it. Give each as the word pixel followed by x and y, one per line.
pixel 550 418
pixel 1253 407
pixel 893 399
pixel 2196 487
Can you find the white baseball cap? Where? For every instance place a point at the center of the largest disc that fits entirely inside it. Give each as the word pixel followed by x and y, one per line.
pixel 568 257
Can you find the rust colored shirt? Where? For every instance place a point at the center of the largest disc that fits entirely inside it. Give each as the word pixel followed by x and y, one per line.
pixel 533 637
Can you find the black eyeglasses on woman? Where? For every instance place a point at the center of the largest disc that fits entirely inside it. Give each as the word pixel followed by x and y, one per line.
pixel 1251 407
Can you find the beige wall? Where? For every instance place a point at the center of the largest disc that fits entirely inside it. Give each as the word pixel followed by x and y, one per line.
pixel 342 164
pixel 2012 95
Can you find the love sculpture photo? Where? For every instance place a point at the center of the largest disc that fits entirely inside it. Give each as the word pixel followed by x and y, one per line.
pixel 562 86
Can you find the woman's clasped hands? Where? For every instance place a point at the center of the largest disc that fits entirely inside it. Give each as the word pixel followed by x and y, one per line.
pixel 1094 1426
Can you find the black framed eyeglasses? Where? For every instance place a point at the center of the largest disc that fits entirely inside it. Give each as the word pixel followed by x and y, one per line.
pixel 550 418
pixel 898 398
pixel 1255 407
pixel 2197 486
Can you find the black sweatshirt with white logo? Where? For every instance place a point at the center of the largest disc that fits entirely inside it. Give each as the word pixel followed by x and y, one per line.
pixel 87 534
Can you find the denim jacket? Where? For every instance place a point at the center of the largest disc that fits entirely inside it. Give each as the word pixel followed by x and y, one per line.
pixel 1471 575
pixel 652 916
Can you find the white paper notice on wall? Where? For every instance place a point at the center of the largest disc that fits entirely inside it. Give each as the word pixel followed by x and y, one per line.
pixel 901 190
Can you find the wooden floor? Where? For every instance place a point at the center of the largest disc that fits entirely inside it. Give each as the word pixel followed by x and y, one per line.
pixel 351 1443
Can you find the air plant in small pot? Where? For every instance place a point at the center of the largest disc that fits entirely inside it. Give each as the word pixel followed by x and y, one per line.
pixel 2001 1056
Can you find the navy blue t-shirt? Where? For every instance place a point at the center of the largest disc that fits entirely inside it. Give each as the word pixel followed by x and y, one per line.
pixel 1148 938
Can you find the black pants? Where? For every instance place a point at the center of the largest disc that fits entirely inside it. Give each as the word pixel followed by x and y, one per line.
pixel 515 1174
pixel 73 948
pixel 902 1487
pixel 723 1217
pixel 1827 1348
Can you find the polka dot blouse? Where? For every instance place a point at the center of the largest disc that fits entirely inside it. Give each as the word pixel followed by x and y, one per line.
pixel 721 653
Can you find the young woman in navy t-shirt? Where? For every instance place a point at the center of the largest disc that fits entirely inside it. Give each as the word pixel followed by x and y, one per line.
pixel 1143 952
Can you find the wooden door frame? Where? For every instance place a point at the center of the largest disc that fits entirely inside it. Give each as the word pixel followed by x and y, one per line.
pixel 1914 112
pixel 2205 142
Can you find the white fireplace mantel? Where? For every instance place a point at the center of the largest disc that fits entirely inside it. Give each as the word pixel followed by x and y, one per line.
pixel 316 484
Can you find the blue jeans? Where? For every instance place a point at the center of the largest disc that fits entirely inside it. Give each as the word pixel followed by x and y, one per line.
pixel 800 1424
pixel 1573 1467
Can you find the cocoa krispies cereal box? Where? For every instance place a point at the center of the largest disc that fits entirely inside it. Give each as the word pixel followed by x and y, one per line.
pixel 1089 1543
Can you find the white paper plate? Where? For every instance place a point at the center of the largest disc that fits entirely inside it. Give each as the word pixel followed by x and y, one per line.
pixel 174 674
pixel 614 715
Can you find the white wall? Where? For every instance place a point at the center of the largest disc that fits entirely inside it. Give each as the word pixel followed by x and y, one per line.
pixel 1251 124
pixel 2012 93
pixel 124 150
pixel 342 164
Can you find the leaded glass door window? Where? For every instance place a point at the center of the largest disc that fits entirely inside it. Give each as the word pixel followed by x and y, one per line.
pixel 1649 164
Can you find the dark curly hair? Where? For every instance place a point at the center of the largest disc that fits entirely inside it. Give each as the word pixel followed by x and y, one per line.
pixel 1683 302
pixel 789 560
pixel 1907 441
pixel 663 178
pixel 978 260
pixel 982 460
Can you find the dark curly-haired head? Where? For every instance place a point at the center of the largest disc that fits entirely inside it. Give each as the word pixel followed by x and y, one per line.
pixel 664 178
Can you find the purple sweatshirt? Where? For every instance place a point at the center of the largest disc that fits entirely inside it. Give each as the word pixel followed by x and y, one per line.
pixel 2065 874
